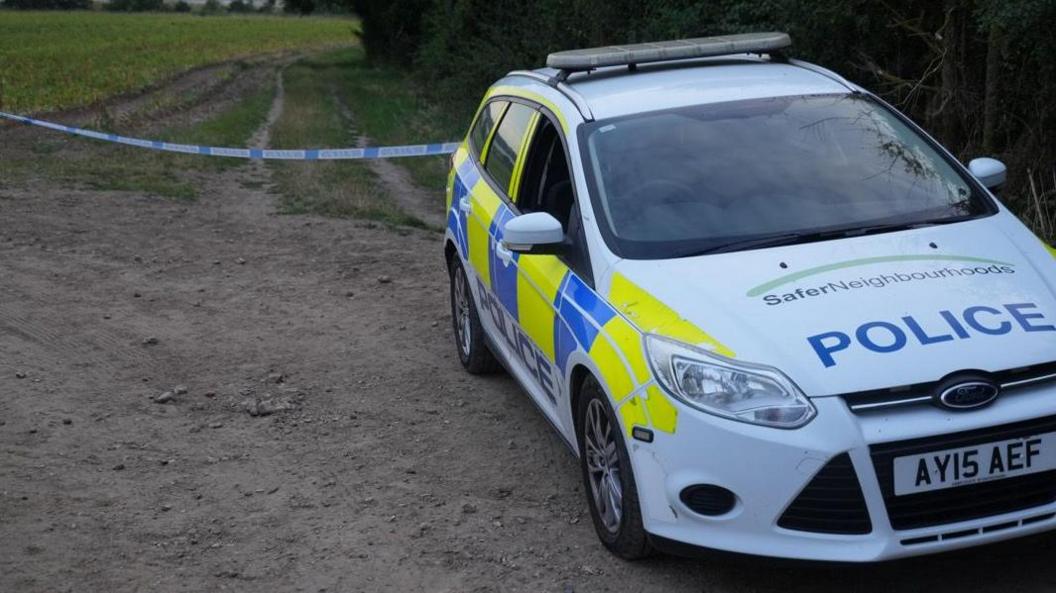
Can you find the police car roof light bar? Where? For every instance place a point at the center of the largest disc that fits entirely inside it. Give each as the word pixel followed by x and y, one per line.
pixel 578 60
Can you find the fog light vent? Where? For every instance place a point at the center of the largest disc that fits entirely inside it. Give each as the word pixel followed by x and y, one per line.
pixel 708 499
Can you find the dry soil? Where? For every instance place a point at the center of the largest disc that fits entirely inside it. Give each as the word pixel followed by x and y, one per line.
pixel 373 463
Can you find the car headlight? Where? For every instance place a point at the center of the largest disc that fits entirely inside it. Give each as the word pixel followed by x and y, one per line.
pixel 742 391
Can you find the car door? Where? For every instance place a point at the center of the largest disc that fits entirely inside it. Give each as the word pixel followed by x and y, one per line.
pixel 546 284
pixel 474 197
pixel 487 207
pixel 561 311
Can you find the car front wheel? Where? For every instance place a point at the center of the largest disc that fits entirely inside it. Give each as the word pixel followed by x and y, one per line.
pixel 607 476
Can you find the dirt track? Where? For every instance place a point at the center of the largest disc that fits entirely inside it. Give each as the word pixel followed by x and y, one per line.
pixel 392 471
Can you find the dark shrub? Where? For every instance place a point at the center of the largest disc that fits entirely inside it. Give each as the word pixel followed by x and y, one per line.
pixel 302 7
pixel 136 5
pixel 212 7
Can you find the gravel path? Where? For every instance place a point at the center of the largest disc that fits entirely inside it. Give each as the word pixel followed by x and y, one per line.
pixel 318 433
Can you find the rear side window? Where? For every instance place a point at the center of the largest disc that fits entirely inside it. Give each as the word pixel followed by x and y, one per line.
pixel 488 116
pixel 505 145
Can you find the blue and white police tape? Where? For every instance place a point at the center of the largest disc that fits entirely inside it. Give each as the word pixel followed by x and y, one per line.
pixel 313 154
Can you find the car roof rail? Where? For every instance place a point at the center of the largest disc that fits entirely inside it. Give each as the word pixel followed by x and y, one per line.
pixel 580 60
pixel 561 87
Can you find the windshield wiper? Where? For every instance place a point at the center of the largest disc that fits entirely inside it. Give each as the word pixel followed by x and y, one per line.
pixel 890 228
pixel 761 242
pixel 814 236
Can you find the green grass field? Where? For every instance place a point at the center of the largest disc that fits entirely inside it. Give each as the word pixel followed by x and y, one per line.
pixel 59 60
pixel 332 97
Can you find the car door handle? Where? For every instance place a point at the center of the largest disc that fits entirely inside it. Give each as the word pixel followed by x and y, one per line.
pixel 504 253
pixel 465 205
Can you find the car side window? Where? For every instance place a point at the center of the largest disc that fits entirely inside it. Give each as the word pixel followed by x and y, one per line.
pixel 506 144
pixel 490 114
pixel 546 186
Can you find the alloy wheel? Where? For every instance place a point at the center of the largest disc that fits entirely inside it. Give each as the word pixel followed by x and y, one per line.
pixel 603 466
pixel 462 319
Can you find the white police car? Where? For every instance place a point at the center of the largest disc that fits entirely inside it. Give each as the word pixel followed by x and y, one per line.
pixel 767 312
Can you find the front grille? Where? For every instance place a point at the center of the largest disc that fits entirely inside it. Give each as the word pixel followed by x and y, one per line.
pixel 831 503
pixel 1010 381
pixel 985 529
pixel 939 507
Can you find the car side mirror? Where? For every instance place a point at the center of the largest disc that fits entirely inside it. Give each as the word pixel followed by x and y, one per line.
pixel 534 233
pixel 990 172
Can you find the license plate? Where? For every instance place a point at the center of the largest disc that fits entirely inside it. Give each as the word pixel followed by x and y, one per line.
pixel 950 468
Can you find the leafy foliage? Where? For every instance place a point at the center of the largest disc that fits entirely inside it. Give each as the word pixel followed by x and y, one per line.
pixel 395 34
pixel 212 7
pixel 136 5
pixel 302 7
pixel 240 6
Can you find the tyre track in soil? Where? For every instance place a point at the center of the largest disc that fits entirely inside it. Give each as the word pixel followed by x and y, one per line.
pixel 394 471
pixel 396 181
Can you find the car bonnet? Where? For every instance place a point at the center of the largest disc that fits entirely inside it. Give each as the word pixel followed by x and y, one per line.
pixel 867 312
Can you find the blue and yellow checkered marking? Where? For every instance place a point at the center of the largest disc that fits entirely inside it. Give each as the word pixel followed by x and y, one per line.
pixel 582 330
pixel 468 172
pixel 581 316
pixel 539 282
pixel 456 230
pixel 485 206
pixel 564 340
pixel 582 310
pixel 456 217
pixel 589 301
pixel 503 274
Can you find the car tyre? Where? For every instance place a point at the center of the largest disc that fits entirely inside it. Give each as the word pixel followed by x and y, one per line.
pixel 608 478
pixel 470 342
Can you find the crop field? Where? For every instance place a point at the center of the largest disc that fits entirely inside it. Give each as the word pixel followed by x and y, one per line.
pixel 52 61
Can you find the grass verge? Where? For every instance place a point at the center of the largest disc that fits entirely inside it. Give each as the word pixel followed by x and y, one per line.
pixel 316 115
pixel 391 110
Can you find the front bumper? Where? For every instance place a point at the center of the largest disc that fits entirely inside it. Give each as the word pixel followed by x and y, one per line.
pixel 768 468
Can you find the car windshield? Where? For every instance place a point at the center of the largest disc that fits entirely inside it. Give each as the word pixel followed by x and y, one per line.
pixel 757 173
